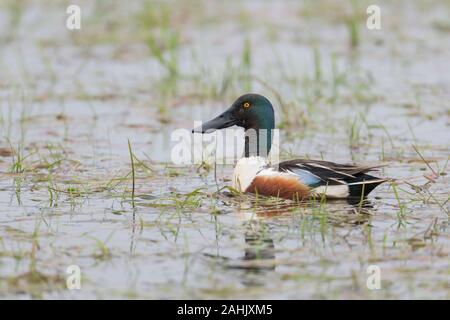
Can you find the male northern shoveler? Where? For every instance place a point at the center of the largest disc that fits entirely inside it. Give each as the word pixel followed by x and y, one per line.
pixel 294 179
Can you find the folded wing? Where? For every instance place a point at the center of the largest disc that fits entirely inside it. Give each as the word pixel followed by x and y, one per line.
pixel 332 179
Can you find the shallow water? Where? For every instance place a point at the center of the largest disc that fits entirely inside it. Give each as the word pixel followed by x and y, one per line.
pixel 69 102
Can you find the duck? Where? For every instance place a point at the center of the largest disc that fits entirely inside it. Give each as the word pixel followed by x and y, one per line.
pixel 297 179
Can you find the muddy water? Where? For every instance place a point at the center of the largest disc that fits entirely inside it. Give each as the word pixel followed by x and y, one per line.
pixel 69 102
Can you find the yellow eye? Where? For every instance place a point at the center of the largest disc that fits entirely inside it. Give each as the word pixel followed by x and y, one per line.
pixel 246 105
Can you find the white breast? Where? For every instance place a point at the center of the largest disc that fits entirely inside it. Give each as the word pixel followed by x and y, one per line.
pixel 246 170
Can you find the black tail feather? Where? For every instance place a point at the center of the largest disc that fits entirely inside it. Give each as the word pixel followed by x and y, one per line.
pixel 363 184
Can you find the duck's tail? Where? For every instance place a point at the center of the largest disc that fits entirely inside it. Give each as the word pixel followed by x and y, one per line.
pixel 363 184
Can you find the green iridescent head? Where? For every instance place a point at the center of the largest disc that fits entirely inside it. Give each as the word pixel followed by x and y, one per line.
pixel 255 114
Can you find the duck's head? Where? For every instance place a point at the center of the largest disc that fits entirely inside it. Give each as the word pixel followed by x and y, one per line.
pixel 249 111
pixel 254 113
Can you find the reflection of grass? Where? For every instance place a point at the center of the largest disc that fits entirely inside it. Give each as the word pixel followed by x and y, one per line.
pixel 103 252
pixel 32 281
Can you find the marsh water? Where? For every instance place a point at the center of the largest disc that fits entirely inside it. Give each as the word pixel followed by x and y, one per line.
pixel 70 101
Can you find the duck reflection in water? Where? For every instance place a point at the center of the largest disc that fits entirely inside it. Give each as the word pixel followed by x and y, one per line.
pixel 260 251
pixel 259 245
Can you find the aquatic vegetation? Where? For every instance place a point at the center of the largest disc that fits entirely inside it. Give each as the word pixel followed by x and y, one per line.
pixel 160 36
